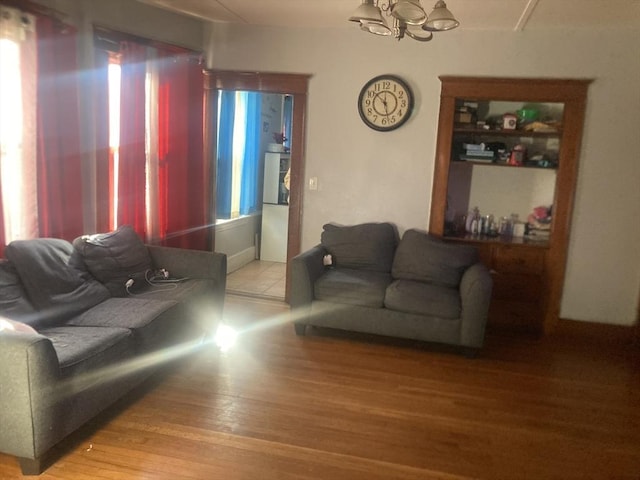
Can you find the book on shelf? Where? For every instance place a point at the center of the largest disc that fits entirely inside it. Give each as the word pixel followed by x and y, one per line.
pixel 539 233
pixel 481 153
pixel 474 147
pixel 474 158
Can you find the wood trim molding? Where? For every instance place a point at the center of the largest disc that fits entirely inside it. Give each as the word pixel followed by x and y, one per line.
pixel 284 83
pixel 637 335
pixel 597 333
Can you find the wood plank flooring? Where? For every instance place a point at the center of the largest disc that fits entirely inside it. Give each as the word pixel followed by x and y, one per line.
pixel 341 406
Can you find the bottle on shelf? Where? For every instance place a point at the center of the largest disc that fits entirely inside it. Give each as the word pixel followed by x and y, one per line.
pixel 473 221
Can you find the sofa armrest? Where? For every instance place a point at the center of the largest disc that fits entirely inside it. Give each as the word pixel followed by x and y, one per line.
pixel 28 397
pixel 181 262
pixel 475 294
pixel 306 268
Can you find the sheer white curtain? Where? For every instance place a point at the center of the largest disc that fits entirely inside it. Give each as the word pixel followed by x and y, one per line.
pixel 152 93
pixel 18 95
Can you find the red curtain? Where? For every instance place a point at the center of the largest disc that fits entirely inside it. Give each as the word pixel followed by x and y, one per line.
pixel 181 200
pixel 131 175
pixel 59 162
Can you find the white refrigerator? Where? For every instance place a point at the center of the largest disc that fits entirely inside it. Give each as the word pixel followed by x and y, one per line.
pixel 275 209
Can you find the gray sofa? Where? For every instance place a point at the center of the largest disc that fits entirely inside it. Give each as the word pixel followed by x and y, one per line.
pixel 84 323
pixel 362 278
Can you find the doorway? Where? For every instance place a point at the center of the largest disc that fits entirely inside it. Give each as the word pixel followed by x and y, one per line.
pixel 293 85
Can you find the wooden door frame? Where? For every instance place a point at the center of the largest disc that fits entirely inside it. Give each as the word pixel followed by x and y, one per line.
pixel 296 85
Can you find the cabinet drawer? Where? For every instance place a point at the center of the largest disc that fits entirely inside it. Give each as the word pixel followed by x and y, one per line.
pixel 519 287
pixel 519 260
pixel 521 316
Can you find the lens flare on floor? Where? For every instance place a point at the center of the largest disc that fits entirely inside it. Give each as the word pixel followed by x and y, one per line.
pixel 225 337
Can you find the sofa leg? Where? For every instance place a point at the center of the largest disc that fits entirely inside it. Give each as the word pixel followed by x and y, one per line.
pixel 30 466
pixel 300 329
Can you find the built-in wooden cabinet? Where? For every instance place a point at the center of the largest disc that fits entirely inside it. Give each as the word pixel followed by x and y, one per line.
pixel 507 146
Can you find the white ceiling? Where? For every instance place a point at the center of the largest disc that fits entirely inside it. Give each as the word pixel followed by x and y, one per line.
pixel 472 14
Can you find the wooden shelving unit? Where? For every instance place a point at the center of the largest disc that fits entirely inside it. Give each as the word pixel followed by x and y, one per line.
pixel 528 275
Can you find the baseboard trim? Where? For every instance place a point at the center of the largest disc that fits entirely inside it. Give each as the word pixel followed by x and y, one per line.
pixel 240 259
pixel 596 332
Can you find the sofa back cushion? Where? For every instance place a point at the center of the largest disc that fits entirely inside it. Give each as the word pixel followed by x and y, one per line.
pixel 427 259
pixel 53 278
pixel 13 299
pixel 115 257
pixel 368 246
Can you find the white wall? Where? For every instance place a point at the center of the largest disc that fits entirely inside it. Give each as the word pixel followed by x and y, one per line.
pixel 237 240
pixel 366 175
pixel 522 188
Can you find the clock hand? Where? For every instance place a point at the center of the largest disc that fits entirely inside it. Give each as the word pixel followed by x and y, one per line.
pixel 384 102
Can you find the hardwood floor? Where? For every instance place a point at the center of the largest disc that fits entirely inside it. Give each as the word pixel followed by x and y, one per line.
pixel 341 406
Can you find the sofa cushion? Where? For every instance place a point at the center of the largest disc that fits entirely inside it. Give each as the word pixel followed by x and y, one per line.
pixel 52 279
pixel 352 287
pixel 115 257
pixel 153 322
pixel 81 349
pixel 13 300
pixel 428 259
pixel 422 298
pixel 368 246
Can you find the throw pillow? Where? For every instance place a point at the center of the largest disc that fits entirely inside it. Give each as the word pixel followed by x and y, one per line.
pixel 13 300
pixel 427 259
pixel 115 257
pixel 367 246
pixel 11 326
pixel 53 284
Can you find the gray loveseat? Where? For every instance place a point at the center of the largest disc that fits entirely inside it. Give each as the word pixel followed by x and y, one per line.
pixel 84 323
pixel 362 278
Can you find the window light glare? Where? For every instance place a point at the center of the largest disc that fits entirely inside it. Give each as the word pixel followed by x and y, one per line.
pixel 11 121
pixel 10 93
pixel 114 74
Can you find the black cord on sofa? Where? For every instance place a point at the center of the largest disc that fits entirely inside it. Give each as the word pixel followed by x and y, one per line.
pixel 159 287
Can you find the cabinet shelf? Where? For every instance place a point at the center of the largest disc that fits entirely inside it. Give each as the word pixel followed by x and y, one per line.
pixel 499 164
pixel 481 132
pixel 503 239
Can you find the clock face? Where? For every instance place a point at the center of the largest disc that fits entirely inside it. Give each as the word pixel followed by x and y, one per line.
pixel 385 103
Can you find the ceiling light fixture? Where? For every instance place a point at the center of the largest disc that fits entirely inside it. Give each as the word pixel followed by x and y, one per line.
pixel 407 18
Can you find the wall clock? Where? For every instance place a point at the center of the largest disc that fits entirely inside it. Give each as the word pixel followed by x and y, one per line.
pixel 385 103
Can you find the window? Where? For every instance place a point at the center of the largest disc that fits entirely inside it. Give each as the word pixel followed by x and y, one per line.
pixel 155 139
pixel 11 137
pixel 151 138
pixel 239 153
pixel 115 74
pixel 17 125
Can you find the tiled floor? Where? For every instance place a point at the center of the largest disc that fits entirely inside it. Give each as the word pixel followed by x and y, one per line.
pixel 259 278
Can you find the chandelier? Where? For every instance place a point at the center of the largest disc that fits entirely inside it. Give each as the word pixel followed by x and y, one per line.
pixel 407 17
